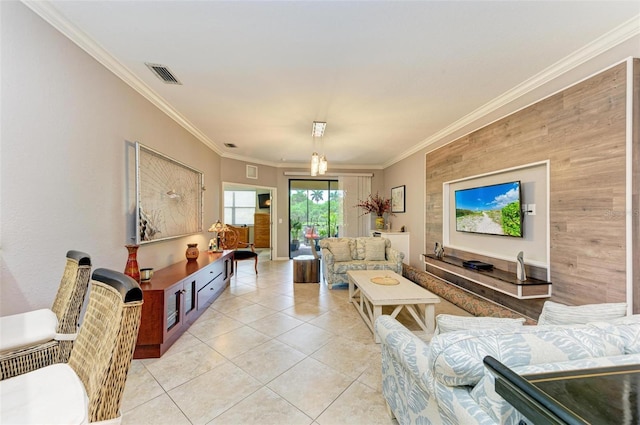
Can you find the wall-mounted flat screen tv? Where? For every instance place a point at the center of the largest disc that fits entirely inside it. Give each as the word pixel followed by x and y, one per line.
pixel 264 200
pixel 490 210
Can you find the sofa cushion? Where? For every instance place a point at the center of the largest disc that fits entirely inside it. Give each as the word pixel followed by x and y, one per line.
pixel 361 246
pixel 324 243
pixel 341 251
pixel 450 323
pixel 456 357
pixel 375 250
pixel 345 266
pixel 559 314
pixel 49 395
pixel 627 329
pixel 27 329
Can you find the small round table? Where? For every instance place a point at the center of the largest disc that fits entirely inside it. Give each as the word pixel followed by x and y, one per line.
pixel 306 269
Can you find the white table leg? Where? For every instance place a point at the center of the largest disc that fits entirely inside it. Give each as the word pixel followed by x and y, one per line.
pixel 377 312
pixel 429 316
pixel 350 289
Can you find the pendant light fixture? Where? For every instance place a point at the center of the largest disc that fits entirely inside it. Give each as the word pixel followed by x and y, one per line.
pixel 318 163
pixel 315 164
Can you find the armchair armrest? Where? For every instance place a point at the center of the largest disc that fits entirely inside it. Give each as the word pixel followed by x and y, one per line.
pixel 403 345
pixel 394 255
pixel 328 258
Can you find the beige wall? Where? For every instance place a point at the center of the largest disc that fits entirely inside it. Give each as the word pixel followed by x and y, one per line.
pixel 410 173
pixel 64 169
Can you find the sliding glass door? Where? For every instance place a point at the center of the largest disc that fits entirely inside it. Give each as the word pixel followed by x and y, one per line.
pixel 314 214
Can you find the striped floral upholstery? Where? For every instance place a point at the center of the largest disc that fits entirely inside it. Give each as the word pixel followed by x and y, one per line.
pixel 445 381
pixel 456 358
pixel 559 314
pixel 335 272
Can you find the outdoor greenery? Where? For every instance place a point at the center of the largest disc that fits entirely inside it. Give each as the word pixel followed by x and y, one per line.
pixel 314 208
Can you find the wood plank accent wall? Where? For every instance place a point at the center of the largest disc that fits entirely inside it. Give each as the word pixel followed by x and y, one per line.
pixel 581 130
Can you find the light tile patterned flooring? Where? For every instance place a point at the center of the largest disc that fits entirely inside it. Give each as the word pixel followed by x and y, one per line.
pixel 270 352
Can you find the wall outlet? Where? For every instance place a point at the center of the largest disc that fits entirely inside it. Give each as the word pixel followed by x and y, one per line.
pixel 529 209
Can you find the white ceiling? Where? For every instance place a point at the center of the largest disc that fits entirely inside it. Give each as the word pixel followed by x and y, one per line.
pixel 386 76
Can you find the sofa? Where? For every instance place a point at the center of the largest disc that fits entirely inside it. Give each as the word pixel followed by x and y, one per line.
pixel 339 255
pixel 445 381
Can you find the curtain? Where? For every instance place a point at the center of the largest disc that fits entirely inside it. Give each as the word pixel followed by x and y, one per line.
pixel 354 189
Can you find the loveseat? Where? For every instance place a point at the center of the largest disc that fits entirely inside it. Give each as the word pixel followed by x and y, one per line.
pixel 446 382
pixel 339 255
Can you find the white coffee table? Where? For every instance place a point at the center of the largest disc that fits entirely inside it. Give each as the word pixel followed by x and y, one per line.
pixel 369 297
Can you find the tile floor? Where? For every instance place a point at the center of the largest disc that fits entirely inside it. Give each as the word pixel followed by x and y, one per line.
pixel 267 351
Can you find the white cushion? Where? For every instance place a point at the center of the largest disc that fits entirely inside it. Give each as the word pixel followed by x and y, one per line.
pixel 26 329
pixel 341 251
pixel 375 250
pixel 450 323
pixel 559 314
pixel 50 395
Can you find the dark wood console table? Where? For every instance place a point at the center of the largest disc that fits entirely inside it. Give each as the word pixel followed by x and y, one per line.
pixel 606 395
pixel 496 279
pixel 176 296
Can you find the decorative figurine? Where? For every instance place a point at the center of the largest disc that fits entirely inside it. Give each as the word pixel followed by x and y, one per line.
pixel 438 250
pixel 520 273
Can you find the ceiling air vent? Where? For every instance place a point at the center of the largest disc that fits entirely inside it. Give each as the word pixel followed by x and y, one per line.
pixel 230 145
pixel 163 73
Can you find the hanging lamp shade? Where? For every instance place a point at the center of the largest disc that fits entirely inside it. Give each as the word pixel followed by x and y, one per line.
pixel 322 166
pixel 315 164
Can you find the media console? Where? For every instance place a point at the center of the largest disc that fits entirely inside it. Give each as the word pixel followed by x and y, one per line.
pixel 176 296
pixel 452 268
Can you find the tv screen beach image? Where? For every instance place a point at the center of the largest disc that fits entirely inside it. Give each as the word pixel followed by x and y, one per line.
pixel 492 210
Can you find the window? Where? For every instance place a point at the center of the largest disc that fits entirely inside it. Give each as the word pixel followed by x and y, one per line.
pixel 239 206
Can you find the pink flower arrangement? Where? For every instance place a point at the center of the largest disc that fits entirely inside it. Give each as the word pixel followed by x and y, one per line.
pixel 376 204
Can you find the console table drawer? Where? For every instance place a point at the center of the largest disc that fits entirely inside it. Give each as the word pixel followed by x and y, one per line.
pixel 176 296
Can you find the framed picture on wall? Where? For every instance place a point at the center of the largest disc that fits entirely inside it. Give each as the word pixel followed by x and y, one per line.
pixel 397 199
pixel 169 197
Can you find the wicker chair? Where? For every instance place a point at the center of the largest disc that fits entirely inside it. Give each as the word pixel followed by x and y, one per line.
pixel 230 239
pixel 49 334
pixel 88 388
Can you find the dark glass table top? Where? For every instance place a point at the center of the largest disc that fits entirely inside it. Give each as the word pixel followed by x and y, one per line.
pixel 608 395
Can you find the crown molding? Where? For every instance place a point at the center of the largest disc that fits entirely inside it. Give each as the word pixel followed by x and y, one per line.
pixel 50 14
pixel 623 32
pixel 618 35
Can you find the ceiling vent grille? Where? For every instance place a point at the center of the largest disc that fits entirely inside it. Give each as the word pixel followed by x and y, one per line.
pixel 230 145
pixel 163 73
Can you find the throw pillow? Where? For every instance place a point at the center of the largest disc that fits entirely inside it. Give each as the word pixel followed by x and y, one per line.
pixel 449 323
pixel 559 314
pixel 375 250
pixel 341 251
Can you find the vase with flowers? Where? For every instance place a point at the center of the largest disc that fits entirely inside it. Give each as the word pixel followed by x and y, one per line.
pixel 378 205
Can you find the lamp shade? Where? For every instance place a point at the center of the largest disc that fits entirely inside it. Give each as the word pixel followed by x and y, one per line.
pixel 322 166
pixel 315 164
pixel 216 227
